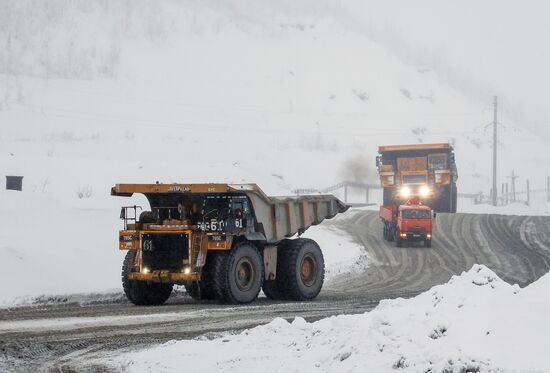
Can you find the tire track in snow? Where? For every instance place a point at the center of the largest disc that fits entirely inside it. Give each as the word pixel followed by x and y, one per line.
pixel 516 248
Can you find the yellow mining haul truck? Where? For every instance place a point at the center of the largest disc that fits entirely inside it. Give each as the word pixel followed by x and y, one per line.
pixel 222 242
pixel 424 171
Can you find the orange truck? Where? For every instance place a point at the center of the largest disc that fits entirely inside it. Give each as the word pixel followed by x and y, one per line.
pixel 410 222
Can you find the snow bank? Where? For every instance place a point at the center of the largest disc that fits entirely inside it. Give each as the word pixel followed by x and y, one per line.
pixel 50 245
pixel 474 323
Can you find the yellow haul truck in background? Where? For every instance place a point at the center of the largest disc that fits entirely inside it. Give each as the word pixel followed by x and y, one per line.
pixel 222 242
pixel 425 171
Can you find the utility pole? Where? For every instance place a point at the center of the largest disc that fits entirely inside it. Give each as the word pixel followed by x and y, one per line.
pixel 494 194
pixel 528 194
pixel 346 192
pixel 513 178
pixel 507 194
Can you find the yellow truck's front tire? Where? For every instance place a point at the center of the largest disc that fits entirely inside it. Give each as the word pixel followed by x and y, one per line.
pixel 207 288
pixel 240 274
pixel 142 293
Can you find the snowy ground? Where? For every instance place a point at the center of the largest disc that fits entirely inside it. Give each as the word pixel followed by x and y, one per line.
pixel 541 209
pixel 55 266
pixel 474 323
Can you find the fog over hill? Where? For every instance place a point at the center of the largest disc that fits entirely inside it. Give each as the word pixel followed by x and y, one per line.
pixel 288 86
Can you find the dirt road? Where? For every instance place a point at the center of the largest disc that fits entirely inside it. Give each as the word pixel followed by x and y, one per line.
pixel 71 337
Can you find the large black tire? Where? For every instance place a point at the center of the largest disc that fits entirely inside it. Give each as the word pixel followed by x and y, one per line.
pixel 194 289
pixel 391 233
pixel 147 217
pixel 428 243
pixel 142 293
pixel 239 274
pixel 271 287
pixel 442 203
pixel 454 198
pixel 206 289
pixel 398 240
pixel 300 269
pixel 271 290
pixel 388 200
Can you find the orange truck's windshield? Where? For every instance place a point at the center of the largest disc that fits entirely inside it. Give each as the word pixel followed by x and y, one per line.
pixel 416 214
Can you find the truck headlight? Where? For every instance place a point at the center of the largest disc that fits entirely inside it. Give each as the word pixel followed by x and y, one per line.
pixel 405 192
pixel 424 191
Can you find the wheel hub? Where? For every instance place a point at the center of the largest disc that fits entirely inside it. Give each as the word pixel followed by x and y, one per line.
pixel 308 270
pixel 244 274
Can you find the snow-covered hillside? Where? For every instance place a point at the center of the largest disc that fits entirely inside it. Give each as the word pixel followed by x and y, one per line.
pixel 474 323
pixel 279 93
pixel 146 91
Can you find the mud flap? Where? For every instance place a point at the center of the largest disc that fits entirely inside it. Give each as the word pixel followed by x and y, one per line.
pixel 270 262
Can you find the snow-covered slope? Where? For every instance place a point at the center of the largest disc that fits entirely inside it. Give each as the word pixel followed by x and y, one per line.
pixel 474 323
pixel 279 93
pixel 199 91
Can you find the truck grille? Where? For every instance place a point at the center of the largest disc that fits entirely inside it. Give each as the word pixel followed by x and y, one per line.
pixel 414 179
pixel 417 229
pixel 167 251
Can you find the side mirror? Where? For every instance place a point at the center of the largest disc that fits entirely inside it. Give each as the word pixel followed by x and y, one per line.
pixel 435 215
pixel 122 213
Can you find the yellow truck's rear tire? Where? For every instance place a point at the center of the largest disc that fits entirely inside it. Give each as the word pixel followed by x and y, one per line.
pixel 271 290
pixel 142 293
pixel 300 269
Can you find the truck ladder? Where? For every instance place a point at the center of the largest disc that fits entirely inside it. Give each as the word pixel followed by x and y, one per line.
pixel 196 245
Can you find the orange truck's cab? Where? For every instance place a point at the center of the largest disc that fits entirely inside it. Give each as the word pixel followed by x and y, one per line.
pixel 409 222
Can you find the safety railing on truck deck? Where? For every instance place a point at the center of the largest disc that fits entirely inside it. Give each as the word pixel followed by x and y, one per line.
pixel 156 215
pixel 126 217
pixel 172 212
